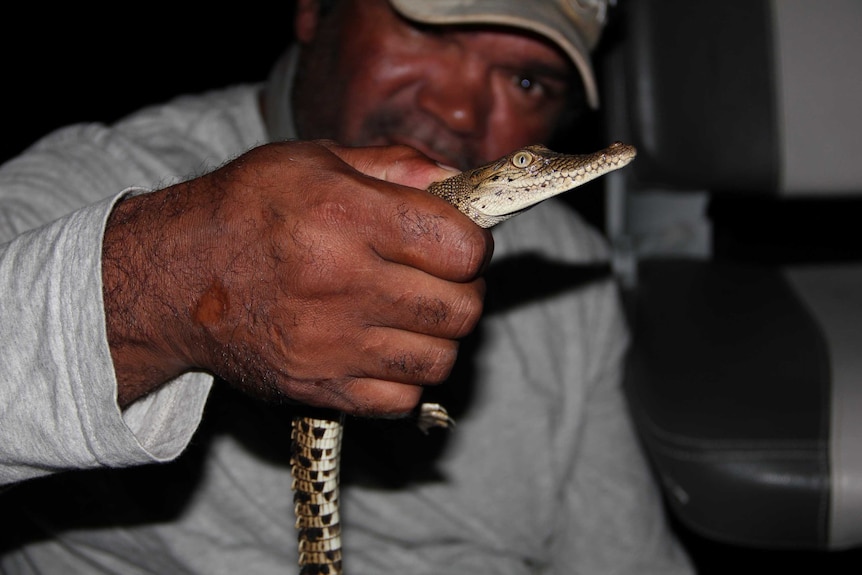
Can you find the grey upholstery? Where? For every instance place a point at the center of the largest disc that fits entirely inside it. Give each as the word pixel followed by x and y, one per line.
pixel 745 379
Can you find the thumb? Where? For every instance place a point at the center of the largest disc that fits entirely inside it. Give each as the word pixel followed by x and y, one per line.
pixel 398 164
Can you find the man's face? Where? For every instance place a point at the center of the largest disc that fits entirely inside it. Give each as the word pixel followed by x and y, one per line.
pixel 463 96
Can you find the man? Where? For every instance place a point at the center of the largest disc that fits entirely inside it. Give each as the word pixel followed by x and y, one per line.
pixel 315 273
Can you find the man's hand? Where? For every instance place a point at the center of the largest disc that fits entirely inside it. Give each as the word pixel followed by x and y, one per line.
pixel 299 270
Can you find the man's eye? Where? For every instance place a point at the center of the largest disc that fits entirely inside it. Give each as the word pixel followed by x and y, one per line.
pixel 528 85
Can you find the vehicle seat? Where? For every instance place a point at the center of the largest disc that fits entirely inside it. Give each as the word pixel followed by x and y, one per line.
pixel 736 239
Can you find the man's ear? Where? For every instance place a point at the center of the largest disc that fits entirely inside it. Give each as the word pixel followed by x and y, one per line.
pixel 307 18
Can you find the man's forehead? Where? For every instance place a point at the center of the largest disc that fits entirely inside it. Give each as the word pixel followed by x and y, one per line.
pixel 573 25
pixel 517 48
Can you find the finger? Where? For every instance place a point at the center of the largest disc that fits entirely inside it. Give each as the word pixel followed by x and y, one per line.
pixel 416 228
pixel 366 397
pixel 381 352
pixel 386 294
pixel 404 357
pixel 420 230
pixel 418 302
pixel 384 377
pixel 398 164
pixel 387 383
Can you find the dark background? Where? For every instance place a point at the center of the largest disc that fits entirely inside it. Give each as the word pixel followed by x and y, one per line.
pixel 66 66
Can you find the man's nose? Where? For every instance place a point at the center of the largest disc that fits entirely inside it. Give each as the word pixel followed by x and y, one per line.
pixel 459 95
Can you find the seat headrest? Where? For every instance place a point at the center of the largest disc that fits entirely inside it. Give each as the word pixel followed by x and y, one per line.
pixel 756 96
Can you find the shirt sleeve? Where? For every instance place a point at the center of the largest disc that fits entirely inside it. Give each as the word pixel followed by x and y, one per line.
pixel 58 407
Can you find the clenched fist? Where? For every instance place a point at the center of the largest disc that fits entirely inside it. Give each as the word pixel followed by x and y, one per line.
pixel 302 270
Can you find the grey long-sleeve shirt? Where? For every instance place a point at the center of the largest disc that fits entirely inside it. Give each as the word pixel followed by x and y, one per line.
pixel 541 475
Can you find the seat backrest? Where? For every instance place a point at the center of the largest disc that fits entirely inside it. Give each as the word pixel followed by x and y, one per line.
pixel 745 116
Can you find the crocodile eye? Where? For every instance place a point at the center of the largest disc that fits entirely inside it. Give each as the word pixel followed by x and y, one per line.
pixel 522 159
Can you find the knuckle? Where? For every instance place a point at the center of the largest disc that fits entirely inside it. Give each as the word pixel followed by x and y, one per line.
pixel 429 312
pixel 431 367
pixel 452 317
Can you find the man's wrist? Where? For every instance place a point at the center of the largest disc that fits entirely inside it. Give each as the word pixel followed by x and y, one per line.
pixel 138 309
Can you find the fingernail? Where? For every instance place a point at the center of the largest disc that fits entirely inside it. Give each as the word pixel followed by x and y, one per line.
pixel 449 168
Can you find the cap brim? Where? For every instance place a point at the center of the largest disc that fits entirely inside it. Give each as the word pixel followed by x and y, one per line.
pixel 542 18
